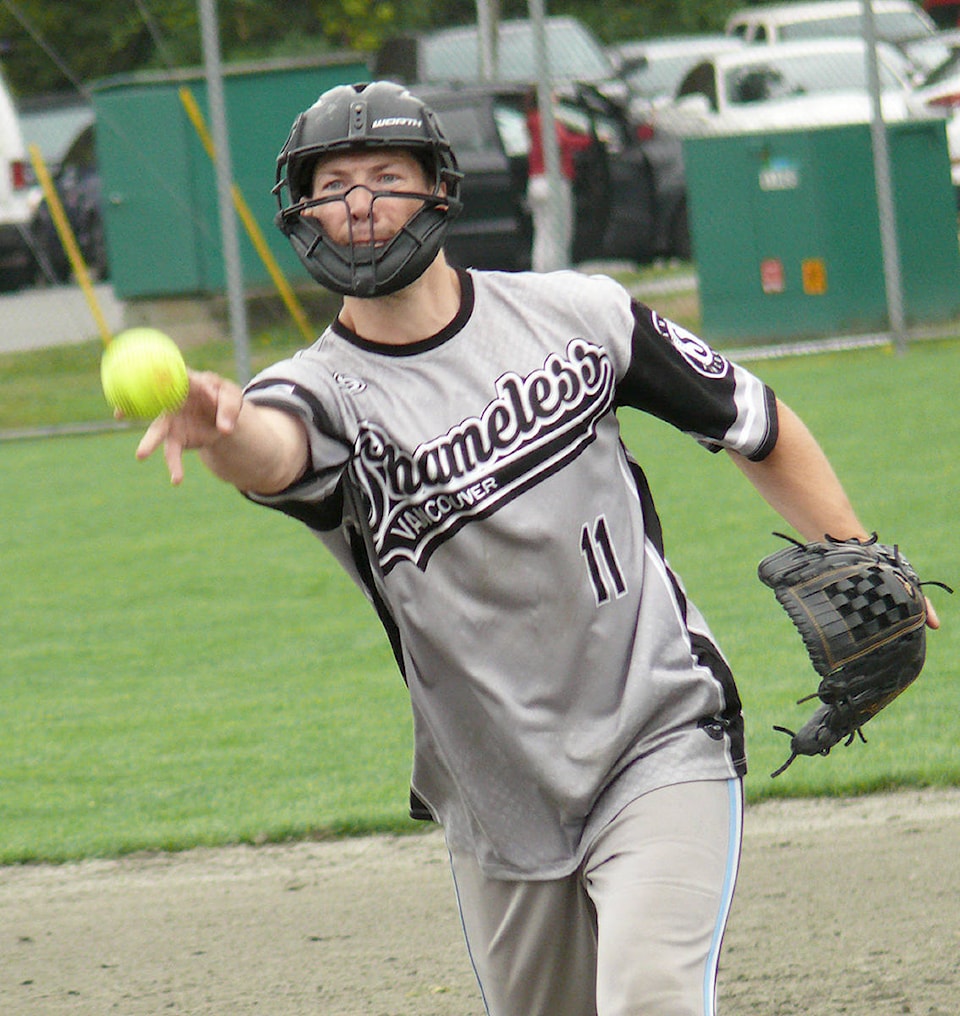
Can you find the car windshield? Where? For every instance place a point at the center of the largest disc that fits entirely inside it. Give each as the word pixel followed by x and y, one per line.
pixel 801 75
pixel 572 55
pixel 894 26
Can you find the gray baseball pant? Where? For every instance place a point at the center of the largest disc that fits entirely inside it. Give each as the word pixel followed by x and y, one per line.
pixel 635 931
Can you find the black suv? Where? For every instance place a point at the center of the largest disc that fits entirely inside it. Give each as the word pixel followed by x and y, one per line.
pixel 629 206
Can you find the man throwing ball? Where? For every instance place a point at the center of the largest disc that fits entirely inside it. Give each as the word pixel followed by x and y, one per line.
pixel 452 438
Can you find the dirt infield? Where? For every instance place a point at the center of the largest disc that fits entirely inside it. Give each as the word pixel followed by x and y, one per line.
pixel 845 907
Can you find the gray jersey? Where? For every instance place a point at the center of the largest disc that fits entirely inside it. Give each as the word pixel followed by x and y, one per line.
pixel 476 487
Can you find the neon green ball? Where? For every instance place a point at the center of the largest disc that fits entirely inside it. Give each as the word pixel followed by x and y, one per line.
pixel 143 374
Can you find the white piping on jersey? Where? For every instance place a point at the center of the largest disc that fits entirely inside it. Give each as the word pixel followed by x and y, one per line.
pixel 747 420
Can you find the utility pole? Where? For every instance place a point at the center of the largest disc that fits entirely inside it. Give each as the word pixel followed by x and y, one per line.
pixel 886 208
pixel 236 300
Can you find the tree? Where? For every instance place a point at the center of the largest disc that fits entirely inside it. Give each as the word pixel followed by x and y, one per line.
pixel 51 46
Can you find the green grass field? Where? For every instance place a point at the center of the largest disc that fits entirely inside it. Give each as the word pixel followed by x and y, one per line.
pixel 180 667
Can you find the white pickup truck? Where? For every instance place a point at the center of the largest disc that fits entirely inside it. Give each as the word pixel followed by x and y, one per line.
pixel 17 198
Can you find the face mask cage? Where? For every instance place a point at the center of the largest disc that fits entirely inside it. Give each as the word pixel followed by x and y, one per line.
pixel 365 269
pixel 431 200
pixel 360 252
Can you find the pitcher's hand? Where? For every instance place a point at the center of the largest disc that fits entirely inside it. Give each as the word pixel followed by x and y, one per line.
pixel 209 413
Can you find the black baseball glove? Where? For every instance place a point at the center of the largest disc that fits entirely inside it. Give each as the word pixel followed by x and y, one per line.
pixel 859 607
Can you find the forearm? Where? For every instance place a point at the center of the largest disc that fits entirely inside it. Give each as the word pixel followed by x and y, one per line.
pixel 798 482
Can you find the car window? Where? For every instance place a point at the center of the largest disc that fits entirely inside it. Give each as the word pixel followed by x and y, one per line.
pixel 82 153
pixel 466 128
pixel 53 130
pixel 700 81
pixel 756 84
pixel 512 128
pixel 582 120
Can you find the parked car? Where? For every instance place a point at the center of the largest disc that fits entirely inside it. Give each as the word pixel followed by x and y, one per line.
pixel 940 94
pixel 792 84
pixel 897 21
pixel 77 181
pixel 17 197
pixel 620 212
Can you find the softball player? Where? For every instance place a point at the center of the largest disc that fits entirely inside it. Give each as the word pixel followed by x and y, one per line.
pixel 452 438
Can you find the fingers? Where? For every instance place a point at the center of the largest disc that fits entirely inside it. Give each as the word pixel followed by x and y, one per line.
pixel 932 620
pixel 210 412
pixel 173 456
pixel 160 433
pixel 153 437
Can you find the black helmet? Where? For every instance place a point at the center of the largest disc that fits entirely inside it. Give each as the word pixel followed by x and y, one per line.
pixel 365 116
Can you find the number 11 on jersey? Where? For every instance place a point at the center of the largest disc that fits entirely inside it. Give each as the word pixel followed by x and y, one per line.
pixel 600 558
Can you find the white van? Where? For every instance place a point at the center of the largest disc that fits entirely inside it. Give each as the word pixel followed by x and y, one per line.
pixel 896 21
pixel 17 197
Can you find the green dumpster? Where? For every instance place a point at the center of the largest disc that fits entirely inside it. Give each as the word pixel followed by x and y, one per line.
pixel 159 187
pixel 786 232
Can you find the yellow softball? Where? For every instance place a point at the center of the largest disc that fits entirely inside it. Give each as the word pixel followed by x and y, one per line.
pixel 143 374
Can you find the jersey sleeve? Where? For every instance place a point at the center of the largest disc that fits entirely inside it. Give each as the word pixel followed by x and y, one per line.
pixel 294 387
pixel 674 375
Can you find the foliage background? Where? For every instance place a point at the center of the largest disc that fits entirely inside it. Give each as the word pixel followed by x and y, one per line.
pixel 51 45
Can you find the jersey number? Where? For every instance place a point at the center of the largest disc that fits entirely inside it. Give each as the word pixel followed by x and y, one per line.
pixel 601 561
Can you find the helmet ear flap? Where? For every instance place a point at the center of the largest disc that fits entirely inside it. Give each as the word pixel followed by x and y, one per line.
pixel 289 167
pixel 301 186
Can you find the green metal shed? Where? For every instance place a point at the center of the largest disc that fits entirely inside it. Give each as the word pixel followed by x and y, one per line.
pixel 786 231
pixel 159 185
